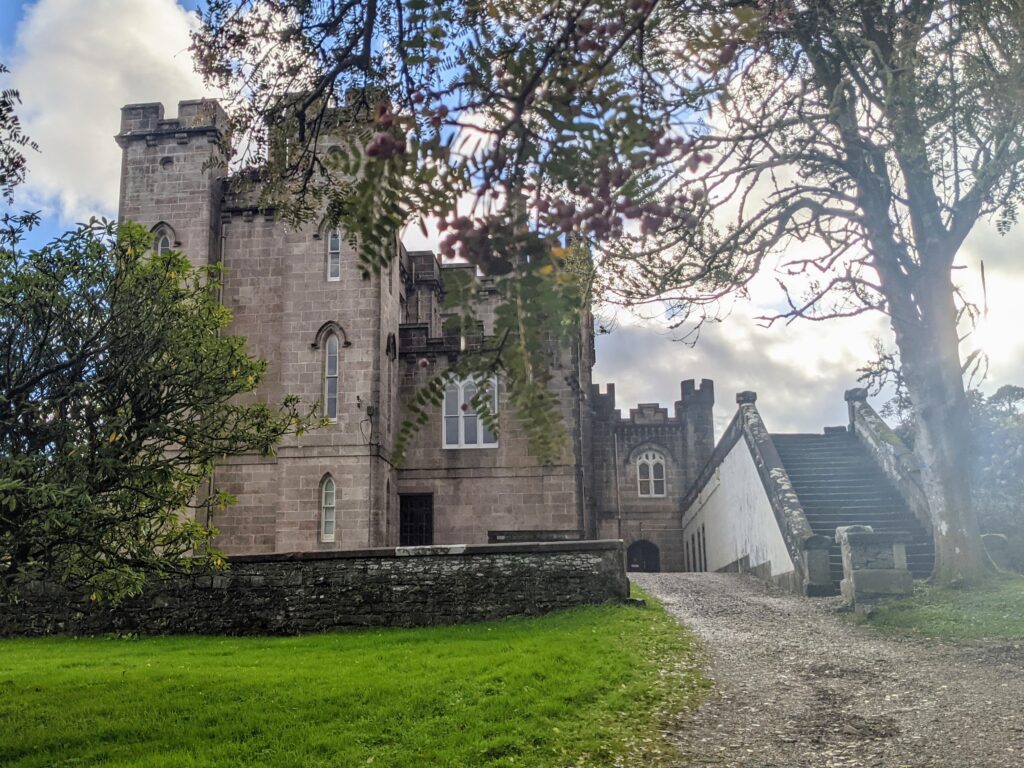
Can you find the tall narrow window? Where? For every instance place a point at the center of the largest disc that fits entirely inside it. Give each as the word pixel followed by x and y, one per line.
pixel 331 378
pixel 328 514
pixel 650 474
pixel 334 256
pixel 463 426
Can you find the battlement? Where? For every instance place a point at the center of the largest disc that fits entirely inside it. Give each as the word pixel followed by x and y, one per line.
pixel 195 116
pixel 602 403
pixel 649 413
pixel 691 394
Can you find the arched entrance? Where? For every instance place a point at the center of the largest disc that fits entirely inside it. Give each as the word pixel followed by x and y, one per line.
pixel 643 556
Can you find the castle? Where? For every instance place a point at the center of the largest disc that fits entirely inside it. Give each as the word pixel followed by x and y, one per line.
pixel 362 347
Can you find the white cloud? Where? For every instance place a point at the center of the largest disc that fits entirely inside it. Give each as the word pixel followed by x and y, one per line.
pixel 77 62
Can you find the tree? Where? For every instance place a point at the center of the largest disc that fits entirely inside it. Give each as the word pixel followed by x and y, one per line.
pixel 684 145
pixel 13 143
pixel 877 134
pixel 118 392
pixel 373 113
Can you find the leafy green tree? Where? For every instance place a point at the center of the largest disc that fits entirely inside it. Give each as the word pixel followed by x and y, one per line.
pixel 686 145
pixel 118 391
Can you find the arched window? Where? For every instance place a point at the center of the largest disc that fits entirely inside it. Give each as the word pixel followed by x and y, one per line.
pixel 331 377
pixel 463 427
pixel 334 256
pixel 650 474
pixel 328 509
pixel 163 238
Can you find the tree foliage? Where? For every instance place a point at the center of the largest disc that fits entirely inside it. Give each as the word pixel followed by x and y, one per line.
pixel 118 391
pixel 13 143
pixel 486 117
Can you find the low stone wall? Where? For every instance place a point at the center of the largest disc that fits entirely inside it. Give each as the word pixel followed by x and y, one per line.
pixel 313 592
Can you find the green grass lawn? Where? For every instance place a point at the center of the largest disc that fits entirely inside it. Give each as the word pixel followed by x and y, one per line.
pixel 583 687
pixel 993 612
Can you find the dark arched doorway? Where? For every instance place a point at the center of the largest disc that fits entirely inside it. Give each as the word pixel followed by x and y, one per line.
pixel 643 556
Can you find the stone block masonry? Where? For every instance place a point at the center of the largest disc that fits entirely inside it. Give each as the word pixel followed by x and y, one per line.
pixel 298 593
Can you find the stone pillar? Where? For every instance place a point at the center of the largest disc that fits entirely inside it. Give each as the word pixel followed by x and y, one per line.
pixel 874 566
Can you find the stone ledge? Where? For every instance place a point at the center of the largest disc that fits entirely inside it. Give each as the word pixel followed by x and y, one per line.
pixel 539 547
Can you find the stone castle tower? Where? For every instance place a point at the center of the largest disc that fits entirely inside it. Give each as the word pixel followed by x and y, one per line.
pixel 357 346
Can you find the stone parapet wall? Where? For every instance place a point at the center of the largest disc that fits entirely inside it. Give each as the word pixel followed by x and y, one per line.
pixel 899 462
pixel 313 592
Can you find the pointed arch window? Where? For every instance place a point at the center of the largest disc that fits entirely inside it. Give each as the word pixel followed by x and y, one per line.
pixel 463 427
pixel 650 474
pixel 328 508
pixel 163 238
pixel 334 256
pixel 331 347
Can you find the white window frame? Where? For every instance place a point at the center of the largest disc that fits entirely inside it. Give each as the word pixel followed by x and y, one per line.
pixel 333 256
pixel 463 390
pixel 328 511
pixel 651 459
pixel 332 349
pixel 164 244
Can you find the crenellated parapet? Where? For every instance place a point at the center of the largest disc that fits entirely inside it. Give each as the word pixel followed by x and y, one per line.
pixel 196 118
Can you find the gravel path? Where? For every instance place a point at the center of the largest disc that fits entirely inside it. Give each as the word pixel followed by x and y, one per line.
pixel 797 685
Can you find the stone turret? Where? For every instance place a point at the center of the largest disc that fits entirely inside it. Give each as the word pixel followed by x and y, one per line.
pixel 172 171
pixel 695 409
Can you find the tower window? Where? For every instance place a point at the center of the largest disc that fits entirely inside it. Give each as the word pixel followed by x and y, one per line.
pixel 650 474
pixel 328 513
pixel 331 378
pixel 334 256
pixel 463 427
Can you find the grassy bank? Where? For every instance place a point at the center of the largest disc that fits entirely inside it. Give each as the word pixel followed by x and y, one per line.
pixel 582 687
pixel 994 612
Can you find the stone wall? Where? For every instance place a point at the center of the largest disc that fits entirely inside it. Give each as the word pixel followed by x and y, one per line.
pixel 313 592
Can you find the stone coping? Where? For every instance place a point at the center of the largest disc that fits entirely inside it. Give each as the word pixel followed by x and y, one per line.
pixel 534 547
pixel 880 537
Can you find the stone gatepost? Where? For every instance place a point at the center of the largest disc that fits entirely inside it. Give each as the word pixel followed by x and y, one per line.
pixel 874 566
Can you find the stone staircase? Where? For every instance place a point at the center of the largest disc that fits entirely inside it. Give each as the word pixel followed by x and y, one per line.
pixel 838 484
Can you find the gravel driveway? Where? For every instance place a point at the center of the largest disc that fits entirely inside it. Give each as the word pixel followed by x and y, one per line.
pixel 797 685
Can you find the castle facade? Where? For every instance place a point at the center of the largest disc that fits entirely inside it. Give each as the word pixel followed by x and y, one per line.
pixel 362 347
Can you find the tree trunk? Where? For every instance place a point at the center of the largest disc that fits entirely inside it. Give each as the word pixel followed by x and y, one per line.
pixel 929 350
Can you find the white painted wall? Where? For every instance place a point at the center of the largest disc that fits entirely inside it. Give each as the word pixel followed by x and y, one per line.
pixel 737 517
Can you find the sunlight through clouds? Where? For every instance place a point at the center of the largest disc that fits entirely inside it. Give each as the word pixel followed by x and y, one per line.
pixel 76 64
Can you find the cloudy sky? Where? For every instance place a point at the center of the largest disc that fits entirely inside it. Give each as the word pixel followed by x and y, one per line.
pixel 77 62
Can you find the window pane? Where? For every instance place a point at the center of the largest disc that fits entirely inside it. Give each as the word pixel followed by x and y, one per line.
pixel 332 355
pixel 645 470
pixel 334 242
pixel 331 404
pixel 334 265
pixel 328 493
pixel 487 436
pixel 659 487
pixel 164 244
pixel 451 401
pixel 659 471
pixel 451 430
pixel 645 487
pixel 328 521
pixel 468 393
pixel 469 427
